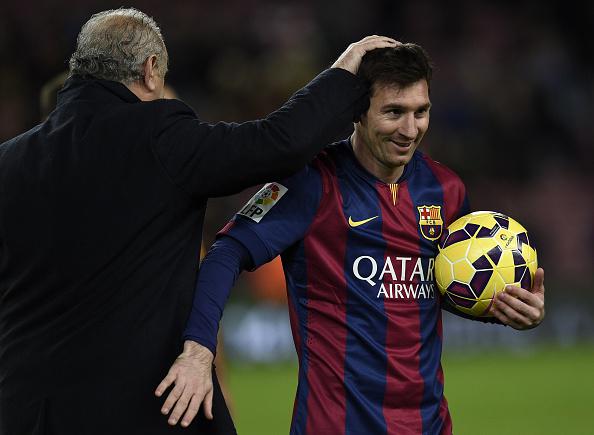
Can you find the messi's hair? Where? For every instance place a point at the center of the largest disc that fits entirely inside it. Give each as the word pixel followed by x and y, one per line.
pixel 402 65
pixel 115 44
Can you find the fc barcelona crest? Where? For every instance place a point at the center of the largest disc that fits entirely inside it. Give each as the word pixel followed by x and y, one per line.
pixel 430 221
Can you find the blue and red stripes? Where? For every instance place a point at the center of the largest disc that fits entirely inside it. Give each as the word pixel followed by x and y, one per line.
pixel 370 362
pixel 404 383
pixel 365 357
pixel 296 276
pixel 433 406
pixel 325 250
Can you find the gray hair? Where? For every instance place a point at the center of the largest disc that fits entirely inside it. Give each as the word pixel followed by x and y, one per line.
pixel 115 44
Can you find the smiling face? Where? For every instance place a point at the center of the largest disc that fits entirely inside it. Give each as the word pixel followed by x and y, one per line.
pixel 389 133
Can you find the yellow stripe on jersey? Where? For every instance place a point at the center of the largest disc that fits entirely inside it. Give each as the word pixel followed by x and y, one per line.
pixel 394 190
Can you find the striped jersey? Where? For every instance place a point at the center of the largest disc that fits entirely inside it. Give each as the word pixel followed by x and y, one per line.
pixel 358 258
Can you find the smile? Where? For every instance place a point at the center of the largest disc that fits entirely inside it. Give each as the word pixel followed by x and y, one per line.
pixel 402 144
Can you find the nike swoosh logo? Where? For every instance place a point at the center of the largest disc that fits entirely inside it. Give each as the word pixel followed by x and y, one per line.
pixel 354 224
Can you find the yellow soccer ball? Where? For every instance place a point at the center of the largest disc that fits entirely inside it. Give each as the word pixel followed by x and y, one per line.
pixel 479 254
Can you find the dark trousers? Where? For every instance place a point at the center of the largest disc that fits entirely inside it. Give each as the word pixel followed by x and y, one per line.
pixel 105 408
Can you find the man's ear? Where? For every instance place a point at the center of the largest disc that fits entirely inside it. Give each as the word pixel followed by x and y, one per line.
pixel 361 117
pixel 150 72
pixel 362 107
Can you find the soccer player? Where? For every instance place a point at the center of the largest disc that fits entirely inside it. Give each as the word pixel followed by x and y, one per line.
pixel 357 230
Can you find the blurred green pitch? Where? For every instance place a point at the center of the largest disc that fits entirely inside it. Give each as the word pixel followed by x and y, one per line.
pixel 540 391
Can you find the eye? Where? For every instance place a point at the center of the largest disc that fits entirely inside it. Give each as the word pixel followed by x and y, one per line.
pixel 422 112
pixel 395 112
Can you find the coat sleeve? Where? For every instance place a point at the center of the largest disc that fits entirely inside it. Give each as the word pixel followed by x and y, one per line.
pixel 220 159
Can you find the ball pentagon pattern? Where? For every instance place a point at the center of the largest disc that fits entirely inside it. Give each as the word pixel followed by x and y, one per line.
pixel 479 254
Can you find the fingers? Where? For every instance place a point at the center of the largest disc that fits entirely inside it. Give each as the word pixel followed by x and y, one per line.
pixel 191 378
pixel 172 398
pixel 192 411
pixel 208 405
pixel 180 407
pixel 521 308
pixel 538 285
pixel 518 308
pixel 186 397
pixel 376 39
pixel 527 302
pixel 516 296
pixel 188 403
pixel 499 313
pixel 165 383
pixel 514 309
pixel 351 58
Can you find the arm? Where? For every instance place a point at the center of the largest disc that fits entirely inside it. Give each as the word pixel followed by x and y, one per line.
pixel 448 307
pixel 260 231
pixel 221 159
pixel 219 270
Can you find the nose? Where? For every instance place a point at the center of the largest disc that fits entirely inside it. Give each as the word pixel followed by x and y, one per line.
pixel 408 126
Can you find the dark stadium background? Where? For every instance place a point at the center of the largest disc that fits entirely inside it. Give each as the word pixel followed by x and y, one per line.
pixel 513 105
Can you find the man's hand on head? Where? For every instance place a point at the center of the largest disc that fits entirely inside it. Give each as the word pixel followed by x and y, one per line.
pixel 351 58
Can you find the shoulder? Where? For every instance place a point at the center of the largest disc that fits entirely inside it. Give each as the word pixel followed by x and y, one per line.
pixel 332 156
pixel 453 188
pixel 171 108
pixel 299 193
pixel 15 144
pixel 306 180
pixel 443 173
pixel 175 122
pixel 328 164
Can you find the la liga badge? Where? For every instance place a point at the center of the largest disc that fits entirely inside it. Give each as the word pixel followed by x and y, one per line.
pixel 261 203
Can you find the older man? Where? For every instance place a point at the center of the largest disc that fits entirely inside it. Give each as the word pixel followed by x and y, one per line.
pixel 101 211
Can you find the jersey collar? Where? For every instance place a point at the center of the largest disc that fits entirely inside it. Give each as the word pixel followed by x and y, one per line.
pixel 356 166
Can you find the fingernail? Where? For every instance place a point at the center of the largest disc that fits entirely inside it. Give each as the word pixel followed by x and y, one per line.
pixel 172 421
pixel 165 411
pixel 185 423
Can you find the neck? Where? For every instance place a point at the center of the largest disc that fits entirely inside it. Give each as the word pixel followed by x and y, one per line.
pixel 387 174
pixel 141 91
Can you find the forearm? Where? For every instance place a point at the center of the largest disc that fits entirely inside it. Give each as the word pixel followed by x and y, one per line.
pixel 221 159
pixel 290 137
pixel 446 306
pixel 218 273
